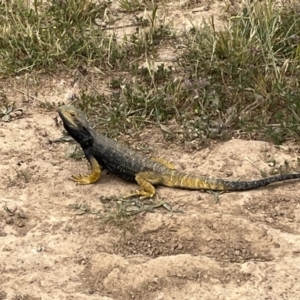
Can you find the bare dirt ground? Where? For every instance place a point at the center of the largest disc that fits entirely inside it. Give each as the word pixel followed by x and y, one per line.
pixel 247 246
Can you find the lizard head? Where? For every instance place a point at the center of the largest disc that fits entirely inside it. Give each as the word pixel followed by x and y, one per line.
pixel 76 124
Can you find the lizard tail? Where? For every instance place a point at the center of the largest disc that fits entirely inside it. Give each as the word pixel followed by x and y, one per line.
pixel 206 183
pixel 249 185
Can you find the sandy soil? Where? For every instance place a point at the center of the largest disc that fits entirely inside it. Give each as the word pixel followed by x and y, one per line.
pixel 245 247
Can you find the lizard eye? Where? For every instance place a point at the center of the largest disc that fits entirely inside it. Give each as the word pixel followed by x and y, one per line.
pixel 72 114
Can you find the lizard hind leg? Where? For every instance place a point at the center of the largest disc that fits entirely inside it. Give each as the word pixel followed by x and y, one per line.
pixel 164 162
pixel 92 177
pixel 146 180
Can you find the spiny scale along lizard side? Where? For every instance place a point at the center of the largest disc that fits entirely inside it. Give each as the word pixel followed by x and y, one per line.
pixel 105 153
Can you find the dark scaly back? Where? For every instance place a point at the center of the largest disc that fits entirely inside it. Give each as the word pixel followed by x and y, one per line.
pixel 121 160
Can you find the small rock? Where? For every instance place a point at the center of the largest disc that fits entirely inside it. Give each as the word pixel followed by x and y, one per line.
pixel 269 220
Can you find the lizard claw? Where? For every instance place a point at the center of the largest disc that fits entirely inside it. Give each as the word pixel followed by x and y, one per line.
pixel 81 179
pixel 139 193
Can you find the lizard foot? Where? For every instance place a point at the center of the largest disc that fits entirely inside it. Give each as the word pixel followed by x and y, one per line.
pixel 91 178
pixel 83 179
pixel 141 194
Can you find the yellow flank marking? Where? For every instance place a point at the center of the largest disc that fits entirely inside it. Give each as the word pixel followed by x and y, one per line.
pixel 187 181
pixel 92 177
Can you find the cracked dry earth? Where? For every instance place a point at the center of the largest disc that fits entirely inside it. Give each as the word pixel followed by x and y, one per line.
pixel 245 247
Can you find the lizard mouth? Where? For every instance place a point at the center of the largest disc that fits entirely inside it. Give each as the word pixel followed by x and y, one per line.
pixel 76 130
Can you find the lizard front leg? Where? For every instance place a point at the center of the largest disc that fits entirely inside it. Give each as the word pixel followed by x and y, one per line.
pixel 146 180
pixel 92 177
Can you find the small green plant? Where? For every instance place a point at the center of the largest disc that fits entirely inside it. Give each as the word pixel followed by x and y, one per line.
pixel 131 5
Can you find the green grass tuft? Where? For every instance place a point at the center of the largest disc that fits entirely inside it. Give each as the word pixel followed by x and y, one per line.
pixel 248 75
pixel 242 81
